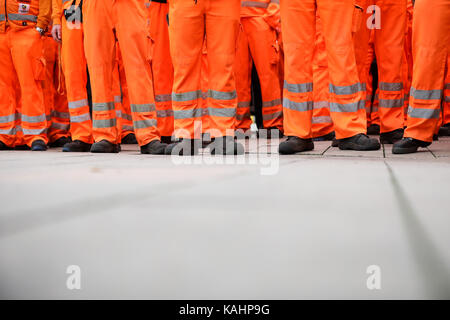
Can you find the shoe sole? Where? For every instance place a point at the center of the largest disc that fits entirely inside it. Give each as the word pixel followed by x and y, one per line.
pixel 309 147
pixel 115 150
pixel 357 147
pixel 404 150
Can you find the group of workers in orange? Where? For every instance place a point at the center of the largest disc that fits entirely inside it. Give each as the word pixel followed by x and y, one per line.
pixel 90 75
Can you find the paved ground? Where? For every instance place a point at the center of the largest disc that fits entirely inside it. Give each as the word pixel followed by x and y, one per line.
pixel 303 226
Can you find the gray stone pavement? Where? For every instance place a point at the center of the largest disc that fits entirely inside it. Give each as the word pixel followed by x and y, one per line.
pixel 149 227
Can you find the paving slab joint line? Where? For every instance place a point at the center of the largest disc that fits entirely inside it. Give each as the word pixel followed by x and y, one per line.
pixel 432 153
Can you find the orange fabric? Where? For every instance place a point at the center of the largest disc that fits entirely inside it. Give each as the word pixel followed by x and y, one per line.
pixel 126 20
pixel 347 95
pixel 431 46
pixel 321 119
pixel 74 68
pixel 162 67
pixel 21 15
pixel 258 44
pixel 204 89
pixel 58 119
pixel 189 22
pixel 446 104
pixel 21 52
pixel 125 121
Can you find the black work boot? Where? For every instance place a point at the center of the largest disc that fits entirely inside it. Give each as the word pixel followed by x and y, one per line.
pixel 185 147
pixel 129 139
pixel 166 139
pixel 77 146
pixel 154 147
pixel 105 146
pixel 226 146
pixel 335 143
pixel 295 144
pixel 435 137
pixel 444 130
pixel 373 129
pixel 391 137
pixel 4 147
pixel 408 145
pixel 22 147
pixel 327 137
pixel 58 143
pixel 359 142
pixel 38 145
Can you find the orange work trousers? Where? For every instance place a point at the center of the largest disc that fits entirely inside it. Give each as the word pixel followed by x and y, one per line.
pixel 347 106
pixel 75 71
pixel 162 67
pixel 321 119
pixel 121 98
pixel 127 21
pixel 258 44
pixel 190 21
pixel 446 104
pixel 431 47
pixel 21 53
pixel 57 112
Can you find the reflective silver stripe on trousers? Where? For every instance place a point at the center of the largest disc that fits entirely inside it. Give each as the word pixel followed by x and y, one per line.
pixel 147 107
pixel 272 116
pixel 219 95
pixel 387 103
pixel 254 4
pixel 60 126
pixel 127 128
pixel 118 113
pixel 348 107
pixel 426 94
pixel 11 131
pixel 243 116
pixel 8 118
pixel 48 117
pixel 298 106
pixel 164 113
pixel 143 124
pixel 163 97
pixel 34 132
pixel 187 114
pixel 205 112
pixel 106 123
pixel 423 113
pixel 447 86
pixel 107 106
pixel 222 112
pixel 186 96
pixel 321 104
pixel 275 1
pixel 21 17
pixel 298 88
pixel 243 104
pixel 78 104
pixel 321 119
pixel 127 116
pixel 80 118
pixel 344 90
pixel 272 103
pixel 117 99
pixel 2 17
pixel 391 86
pixel 34 119
pixel 62 115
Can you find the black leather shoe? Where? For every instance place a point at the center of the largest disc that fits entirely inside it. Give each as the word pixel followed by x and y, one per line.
pixel 373 129
pixel 154 147
pixel 129 139
pixel 295 144
pixel 360 142
pixel 186 147
pixel 58 143
pixel 444 131
pixel 408 145
pixel 335 143
pixel 105 146
pixel 38 145
pixel 166 139
pixel 226 146
pixel 327 137
pixel 77 146
pixel 435 137
pixel 4 147
pixel 22 147
pixel 392 136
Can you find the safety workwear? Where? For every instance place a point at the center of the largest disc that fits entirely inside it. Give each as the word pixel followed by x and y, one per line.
pixel 104 21
pixel 408 145
pixel 431 46
pixel 162 68
pixel 295 144
pixel 359 142
pixel 189 22
pixel 258 45
pixel 346 92
pixel 21 57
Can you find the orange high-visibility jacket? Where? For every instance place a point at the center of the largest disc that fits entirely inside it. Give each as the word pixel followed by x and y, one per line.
pixel 25 13
pixel 269 9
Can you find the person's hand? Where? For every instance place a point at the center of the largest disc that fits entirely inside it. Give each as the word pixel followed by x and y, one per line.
pixel 56 32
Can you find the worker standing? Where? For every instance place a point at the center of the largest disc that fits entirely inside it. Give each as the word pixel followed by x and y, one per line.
pixel 347 105
pixel 431 47
pixel 22 26
pixel 189 22
pixel 127 21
